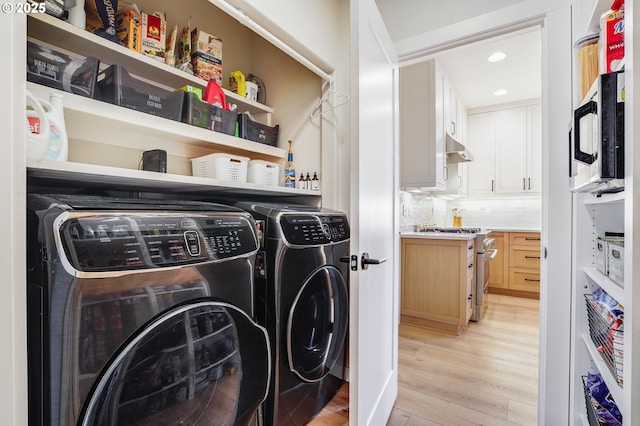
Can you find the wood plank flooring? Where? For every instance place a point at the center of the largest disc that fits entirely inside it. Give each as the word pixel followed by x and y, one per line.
pixel 486 376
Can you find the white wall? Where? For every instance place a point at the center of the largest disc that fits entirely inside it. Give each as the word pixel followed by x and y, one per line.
pixel 309 27
pixel 491 213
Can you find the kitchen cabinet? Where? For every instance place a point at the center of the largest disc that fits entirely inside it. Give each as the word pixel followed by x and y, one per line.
pixel 106 141
pixel 437 283
pixel 422 143
pixel 517 271
pixel 506 144
pixel 454 111
pixel 499 269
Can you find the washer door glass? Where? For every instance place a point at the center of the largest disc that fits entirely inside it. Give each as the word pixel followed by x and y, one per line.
pixel 317 324
pixel 201 363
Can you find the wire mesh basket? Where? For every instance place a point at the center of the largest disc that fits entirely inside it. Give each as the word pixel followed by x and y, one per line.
pixel 608 341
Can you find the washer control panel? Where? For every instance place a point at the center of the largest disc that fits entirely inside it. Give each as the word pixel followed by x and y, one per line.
pixel 314 229
pixel 107 241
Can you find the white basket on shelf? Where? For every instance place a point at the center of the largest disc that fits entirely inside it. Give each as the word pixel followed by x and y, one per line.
pixel 263 172
pixel 221 166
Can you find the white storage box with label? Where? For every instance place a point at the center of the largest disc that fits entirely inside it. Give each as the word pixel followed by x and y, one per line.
pixel 615 257
pixel 263 172
pixel 221 166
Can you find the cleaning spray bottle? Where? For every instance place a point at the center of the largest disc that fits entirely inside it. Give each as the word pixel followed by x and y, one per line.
pixel 58 142
pixel 290 171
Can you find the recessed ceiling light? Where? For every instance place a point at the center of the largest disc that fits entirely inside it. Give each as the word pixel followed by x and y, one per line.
pixel 497 57
pixel 500 92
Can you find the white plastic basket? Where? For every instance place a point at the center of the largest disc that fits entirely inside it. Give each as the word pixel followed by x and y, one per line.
pixel 221 166
pixel 263 172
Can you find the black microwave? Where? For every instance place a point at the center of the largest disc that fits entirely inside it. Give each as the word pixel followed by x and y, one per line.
pixel 597 137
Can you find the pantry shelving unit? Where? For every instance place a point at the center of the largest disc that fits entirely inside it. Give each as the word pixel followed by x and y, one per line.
pixel 106 141
pixel 593 215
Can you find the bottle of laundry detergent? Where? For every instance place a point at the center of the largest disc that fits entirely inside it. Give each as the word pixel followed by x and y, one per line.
pixel 37 130
pixel 58 142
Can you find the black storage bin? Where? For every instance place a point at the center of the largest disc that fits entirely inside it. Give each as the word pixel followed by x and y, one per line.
pixel 51 68
pixel 254 131
pixel 117 86
pixel 202 114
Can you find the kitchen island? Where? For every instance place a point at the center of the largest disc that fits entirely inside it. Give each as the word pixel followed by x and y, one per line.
pixel 437 280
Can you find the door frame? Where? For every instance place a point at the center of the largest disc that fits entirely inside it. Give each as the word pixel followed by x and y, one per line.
pixel 556 96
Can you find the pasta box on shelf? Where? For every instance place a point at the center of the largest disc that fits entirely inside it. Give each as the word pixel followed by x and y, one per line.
pixel 154 35
pixel 257 132
pixel 51 68
pixel 202 114
pixel 221 166
pixel 117 86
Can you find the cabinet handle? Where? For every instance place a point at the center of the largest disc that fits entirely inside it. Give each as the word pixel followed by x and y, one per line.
pixel 470 297
pixel 470 265
pixel 532 238
pixel 530 280
pixel 470 247
pixel 453 128
pixel 524 184
pixel 532 257
pixel 529 184
pixel 493 186
pixel 445 172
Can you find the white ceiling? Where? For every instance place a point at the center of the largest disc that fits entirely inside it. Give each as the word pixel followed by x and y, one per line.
pixel 475 78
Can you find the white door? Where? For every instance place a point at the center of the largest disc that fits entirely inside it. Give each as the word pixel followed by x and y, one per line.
pixel 374 292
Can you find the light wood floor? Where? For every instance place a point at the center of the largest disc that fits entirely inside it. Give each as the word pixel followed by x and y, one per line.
pixel 486 376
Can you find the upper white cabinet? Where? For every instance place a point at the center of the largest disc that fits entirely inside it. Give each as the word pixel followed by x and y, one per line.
pixel 422 144
pixel 455 112
pixel 506 145
pixel 481 141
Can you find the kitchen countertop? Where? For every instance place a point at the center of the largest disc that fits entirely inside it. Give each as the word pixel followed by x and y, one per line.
pixel 439 235
pixel 515 229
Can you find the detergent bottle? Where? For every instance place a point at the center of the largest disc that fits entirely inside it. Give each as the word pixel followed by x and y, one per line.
pixel 37 128
pixel 238 84
pixel 58 141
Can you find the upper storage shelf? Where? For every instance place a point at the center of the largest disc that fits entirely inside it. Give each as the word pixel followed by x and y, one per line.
pixel 64 35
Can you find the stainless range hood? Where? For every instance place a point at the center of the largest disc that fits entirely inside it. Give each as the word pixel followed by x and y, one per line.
pixel 456 152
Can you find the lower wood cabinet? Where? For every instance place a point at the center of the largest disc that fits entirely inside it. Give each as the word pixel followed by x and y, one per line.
pixel 515 270
pixel 437 283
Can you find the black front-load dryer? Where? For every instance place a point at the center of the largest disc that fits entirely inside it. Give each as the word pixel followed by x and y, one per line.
pixel 302 300
pixel 141 312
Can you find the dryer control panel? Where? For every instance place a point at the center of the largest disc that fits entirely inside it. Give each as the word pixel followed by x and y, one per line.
pixel 311 229
pixel 105 241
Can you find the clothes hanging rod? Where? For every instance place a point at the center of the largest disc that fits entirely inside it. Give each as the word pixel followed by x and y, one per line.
pixel 245 20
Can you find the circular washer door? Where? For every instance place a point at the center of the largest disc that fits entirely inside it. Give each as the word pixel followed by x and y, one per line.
pixel 317 324
pixel 201 363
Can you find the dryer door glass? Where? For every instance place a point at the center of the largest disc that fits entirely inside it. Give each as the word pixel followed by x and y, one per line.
pixel 201 363
pixel 317 324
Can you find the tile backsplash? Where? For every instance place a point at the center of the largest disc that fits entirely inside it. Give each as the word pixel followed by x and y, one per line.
pixel 507 212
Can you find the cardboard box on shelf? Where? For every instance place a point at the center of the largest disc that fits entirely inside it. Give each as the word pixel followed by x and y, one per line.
pixel 154 34
pixel 206 56
pixel 129 28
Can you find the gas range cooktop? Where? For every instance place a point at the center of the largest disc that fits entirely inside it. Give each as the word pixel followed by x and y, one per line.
pixel 451 230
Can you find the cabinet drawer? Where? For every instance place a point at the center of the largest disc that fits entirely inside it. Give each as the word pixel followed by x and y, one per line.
pixel 530 239
pixel 525 259
pixel 524 281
